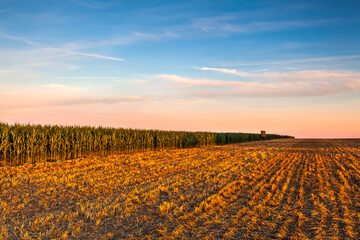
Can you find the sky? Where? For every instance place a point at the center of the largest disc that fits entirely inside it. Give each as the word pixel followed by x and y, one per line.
pixel 287 67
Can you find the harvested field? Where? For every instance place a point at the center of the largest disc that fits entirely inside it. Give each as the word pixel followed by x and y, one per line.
pixel 296 189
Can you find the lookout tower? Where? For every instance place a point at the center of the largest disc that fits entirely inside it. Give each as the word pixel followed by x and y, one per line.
pixel 263 135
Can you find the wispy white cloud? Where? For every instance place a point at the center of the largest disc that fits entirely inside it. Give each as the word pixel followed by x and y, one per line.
pixel 89 78
pixel 226 24
pixel 323 59
pixel 310 75
pixel 53 50
pixel 102 100
pixel 95 56
pixel 226 70
pixel 61 88
pixel 131 38
pixel 43 101
pixel 21 39
pixel 275 84
pixel 211 83
pixel 288 76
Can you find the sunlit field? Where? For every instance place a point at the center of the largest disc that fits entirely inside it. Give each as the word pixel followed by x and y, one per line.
pixel 295 189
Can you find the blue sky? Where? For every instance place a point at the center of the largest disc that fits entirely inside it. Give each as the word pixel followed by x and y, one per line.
pixel 290 67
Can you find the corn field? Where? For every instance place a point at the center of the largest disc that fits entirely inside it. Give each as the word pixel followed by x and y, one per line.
pixel 35 143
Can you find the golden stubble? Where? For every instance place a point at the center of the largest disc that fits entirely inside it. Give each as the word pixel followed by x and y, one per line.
pixel 286 189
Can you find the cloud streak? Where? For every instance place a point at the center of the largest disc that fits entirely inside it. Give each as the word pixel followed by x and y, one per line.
pixel 62 50
pixel 21 39
pixel 46 99
pixel 226 70
pixel 102 100
pixel 60 88
pixel 324 59
pixel 90 78
pixel 271 84
pixel 96 56
pixel 288 76
pixel 224 24
pixel 212 83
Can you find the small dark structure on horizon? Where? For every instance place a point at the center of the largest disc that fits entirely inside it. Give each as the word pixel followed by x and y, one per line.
pixel 263 135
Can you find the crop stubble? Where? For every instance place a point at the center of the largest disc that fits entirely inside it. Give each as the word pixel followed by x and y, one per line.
pixel 271 189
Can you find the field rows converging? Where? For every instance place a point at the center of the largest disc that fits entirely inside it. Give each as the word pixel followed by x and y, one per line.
pixel 278 189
